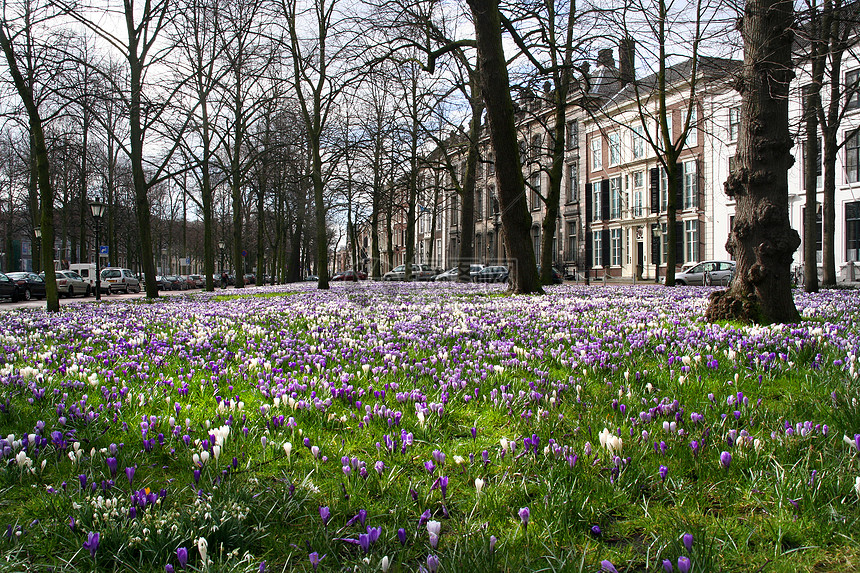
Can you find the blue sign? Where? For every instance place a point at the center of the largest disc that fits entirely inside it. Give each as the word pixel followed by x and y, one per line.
pixel 103 250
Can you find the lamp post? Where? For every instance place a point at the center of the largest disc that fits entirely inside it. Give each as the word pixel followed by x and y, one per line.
pixel 656 237
pixel 221 250
pixel 98 210
pixel 37 232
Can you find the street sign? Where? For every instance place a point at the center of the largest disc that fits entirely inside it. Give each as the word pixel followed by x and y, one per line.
pixel 244 253
pixel 103 250
pixel 187 260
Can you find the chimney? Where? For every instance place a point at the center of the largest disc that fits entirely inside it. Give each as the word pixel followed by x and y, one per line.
pixel 605 58
pixel 627 61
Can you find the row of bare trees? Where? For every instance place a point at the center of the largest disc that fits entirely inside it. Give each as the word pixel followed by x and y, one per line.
pixel 305 115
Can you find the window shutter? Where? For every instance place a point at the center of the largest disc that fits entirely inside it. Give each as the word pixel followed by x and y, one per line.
pixel 700 244
pixel 655 190
pixel 700 186
pixel 604 247
pixel 604 199
pixel 655 243
pixel 679 191
pixel 588 206
pixel 679 243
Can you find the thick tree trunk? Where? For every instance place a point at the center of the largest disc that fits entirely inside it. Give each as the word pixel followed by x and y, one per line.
pixel 828 212
pixel 496 91
pixel 762 240
pixel 810 267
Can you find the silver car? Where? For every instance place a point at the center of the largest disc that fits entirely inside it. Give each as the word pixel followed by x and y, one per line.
pixel 70 283
pixel 453 274
pixel 707 273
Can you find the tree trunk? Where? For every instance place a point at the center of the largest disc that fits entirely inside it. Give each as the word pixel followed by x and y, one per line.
pixel 810 266
pixel 762 240
pixel 467 214
pixel 496 91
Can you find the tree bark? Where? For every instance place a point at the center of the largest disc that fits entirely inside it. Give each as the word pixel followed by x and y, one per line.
pixel 495 85
pixel 762 240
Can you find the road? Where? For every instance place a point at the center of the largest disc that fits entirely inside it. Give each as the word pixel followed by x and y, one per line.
pixel 7 305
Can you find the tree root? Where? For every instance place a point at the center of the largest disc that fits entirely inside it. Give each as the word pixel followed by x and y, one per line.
pixel 730 305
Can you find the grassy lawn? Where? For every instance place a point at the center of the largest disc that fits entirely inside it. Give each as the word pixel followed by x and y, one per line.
pixel 381 427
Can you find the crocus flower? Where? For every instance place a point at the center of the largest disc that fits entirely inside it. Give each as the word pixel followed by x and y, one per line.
pixel 432 563
pixel 725 459
pixel 684 564
pixel 384 564
pixel 315 559
pixel 608 567
pixel 112 466
pixel 663 471
pixel 401 535
pixel 667 566
pixel 688 541
pixel 524 514
pixel 595 529
pixel 129 473
pixel 168 568
pixel 182 557
pixel 92 543
pixel 479 485
pixel 325 514
pixel 364 542
pixel 433 529
pixel 202 547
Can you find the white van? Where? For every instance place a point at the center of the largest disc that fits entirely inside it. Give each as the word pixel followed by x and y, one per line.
pixel 87 272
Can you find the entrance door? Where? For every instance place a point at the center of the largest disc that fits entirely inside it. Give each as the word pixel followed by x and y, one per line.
pixel 640 259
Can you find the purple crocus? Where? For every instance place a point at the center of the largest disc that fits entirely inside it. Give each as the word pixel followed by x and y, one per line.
pixel 667 566
pixel 432 563
pixel 493 543
pixel 595 530
pixel 182 557
pixel 92 543
pixel 401 535
pixel 129 473
pixel 364 542
pixel 687 539
pixel 325 514
pixel 112 466
pixel 725 459
pixel 315 559
pixel 684 564
pixel 608 567
pixel 168 568
pixel 524 514
pixel 663 471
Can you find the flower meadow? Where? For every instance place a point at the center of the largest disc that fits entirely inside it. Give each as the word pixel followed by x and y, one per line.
pixel 429 428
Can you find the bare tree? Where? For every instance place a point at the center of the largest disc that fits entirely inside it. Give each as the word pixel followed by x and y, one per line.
pixel 21 28
pixel 762 240
pixel 495 85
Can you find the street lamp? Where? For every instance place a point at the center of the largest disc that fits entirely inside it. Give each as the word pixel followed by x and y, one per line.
pixel 98 210
pixel 37 232
pixel 221 249
pixel 656 237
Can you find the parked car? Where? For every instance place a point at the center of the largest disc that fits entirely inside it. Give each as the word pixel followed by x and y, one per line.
pixel 557 279
pixel 250 279
pixel 8 289
pixel 419 273
pixel 349 275
pixel 174 282
pixel 493 274
pixel 452 274
pixel 28 285
pixel 312 278
pixel 115 279
pixel 707 273
pixel 70 283
pixel 87 271
pixel 190 283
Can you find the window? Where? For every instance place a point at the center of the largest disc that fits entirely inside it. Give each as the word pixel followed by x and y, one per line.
pixel 596 249
pixel 615 198
pixel 537 147
pixel 572 134
pixel 536 241
pixel 818 178
pixel 523 152
pixel 664 190
pixel 665 243
pixel 691 240
pixel 571 241
pixel 852 89
pixel 818 232
pixel 479 203
pixel 453 219
pixel 479 169
pixel 638 142
pixel 852 158
pixel 638 192
pixel 732 163
pixel 734 123
pixel 491 165
pixel 615 242
pixel 852 231
pixel 536 197
pixel 596 211
pixel 691 187
pixel 596 152
pixel 693 133
pixel 572 183
pixel 614 148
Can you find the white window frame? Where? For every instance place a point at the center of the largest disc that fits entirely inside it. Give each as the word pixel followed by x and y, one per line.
pixel 691 185
pixel 615 198
pixel 615 247
pixel 638 144
pixel 614 143
pixel 596 152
